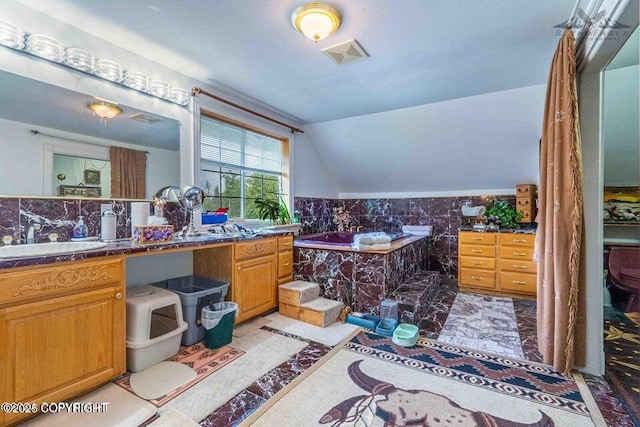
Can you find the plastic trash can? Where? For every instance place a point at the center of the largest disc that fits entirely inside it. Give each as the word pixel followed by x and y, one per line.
pixel 218 323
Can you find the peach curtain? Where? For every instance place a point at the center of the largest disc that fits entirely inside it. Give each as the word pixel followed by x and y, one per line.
pixel 560 230
pixel 128 172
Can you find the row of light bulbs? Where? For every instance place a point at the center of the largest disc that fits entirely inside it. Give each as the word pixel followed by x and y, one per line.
pixel 46 47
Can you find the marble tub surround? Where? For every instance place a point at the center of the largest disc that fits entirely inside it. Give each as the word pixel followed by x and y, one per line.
pixel 360 280
pixel 58 215
pixel 389 215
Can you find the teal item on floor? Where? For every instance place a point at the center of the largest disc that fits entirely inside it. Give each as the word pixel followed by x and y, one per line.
pixel 406 335
pixel 386 327
pixel 222 317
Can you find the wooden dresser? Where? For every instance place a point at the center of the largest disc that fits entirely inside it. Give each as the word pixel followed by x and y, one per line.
pixel 497 263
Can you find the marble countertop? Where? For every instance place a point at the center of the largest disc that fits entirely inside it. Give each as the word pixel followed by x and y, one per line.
pixel 395 245
pixel 524 229
pixel 126 247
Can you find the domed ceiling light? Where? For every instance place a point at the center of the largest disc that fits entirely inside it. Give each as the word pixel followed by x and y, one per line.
pixel 316 20
pixel 105 110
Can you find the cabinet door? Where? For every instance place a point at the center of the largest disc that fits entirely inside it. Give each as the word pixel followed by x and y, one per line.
pixel 60 347
pixel 255 286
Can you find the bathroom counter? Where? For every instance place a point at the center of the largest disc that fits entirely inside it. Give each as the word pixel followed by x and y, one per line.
pixel 126 247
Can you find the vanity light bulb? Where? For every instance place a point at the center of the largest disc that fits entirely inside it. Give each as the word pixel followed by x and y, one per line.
pixel 11 35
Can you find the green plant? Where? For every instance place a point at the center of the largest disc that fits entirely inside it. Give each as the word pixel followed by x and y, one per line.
pixel 503 214
pixel 273 210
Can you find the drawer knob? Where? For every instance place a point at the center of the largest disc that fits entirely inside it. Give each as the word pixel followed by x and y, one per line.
pixel 119 295
pixel 520 253
pixel 239 268
pixel 519 282
pixel 477 251
pixel 520 240
pixel 521 267
pixel 476 278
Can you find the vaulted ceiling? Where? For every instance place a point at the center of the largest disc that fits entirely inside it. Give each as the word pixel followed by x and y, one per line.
pixel 421 51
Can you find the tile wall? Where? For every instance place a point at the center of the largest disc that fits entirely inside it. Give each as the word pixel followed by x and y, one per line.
pixel 60 215
pixel 443 213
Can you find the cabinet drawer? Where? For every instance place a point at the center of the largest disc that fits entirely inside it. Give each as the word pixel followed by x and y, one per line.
pixel 285 243
pixel 517 239
pixel 525 190
pixel 477 278
pixel 285 264
pixel 522 253
pixel 525 283
pixel 473 262
pixel 477 238
pixel 46 282
pixel 526 215
pixel 255 249
pixel 477 251
pixel 518 266
pixel 523 203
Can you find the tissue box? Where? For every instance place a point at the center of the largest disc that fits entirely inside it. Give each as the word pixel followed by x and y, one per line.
pixel 152 233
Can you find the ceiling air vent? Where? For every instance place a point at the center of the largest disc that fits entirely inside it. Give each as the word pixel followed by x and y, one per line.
pixel 348 51
pixel 145 118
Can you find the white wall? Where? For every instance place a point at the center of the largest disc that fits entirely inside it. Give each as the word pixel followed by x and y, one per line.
pixel 73 168
pixel 26 177
pixel 311 178
pixel 621 126
pixel 482 142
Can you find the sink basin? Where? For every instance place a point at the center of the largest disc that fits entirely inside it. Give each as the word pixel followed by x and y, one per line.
pixel 44 249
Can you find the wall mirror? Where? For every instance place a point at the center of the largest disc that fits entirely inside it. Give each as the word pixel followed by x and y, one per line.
pixel 52 144
pixel 621 137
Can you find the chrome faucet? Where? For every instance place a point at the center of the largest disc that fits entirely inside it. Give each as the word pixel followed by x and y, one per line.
pixel 31 232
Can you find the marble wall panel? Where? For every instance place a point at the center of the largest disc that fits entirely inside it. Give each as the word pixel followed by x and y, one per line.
pixel 54 216
pixel 10 218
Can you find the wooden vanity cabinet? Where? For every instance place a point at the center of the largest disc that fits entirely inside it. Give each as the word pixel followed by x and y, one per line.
pixel 255 275
pixel 285 259
pixel 497 263
pixel 62 329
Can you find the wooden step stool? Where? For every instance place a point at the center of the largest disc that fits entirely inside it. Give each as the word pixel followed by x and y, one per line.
pixel 300 300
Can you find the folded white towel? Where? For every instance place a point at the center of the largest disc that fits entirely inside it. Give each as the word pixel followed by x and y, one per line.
pixel 418 230
pixel 374 247
pixel 371 238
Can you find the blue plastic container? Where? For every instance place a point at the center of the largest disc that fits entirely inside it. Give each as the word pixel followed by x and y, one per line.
pixel 386 327
pixel 367 321
pixel 214 219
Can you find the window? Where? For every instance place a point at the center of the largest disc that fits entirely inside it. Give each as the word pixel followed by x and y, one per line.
pixel 240 164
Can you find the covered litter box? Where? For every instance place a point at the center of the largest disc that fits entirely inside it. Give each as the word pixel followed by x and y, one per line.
pixel 154 326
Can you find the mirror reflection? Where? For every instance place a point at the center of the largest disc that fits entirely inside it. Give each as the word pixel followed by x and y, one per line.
pixel 54 144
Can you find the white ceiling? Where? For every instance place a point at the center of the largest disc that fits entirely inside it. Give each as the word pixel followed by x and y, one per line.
pixel 420 51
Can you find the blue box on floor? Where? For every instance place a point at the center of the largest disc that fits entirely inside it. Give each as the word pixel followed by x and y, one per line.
pixel 367 321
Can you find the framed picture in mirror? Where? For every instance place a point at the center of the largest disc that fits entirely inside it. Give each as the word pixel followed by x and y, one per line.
pixel 92 177
pixel 79 191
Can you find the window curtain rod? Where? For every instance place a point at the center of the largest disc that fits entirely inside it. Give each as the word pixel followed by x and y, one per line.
pixel 38 133
pixel 196 91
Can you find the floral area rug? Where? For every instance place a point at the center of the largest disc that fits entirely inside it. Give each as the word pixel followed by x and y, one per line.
pixel 373 382
pixel 199 358
pixel 622 362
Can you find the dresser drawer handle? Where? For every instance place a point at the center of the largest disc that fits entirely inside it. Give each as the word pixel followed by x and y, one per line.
pixel 477 238
pixel 521 267
pixel 521 203
pixel 477 251
pixel 476 278
pixel 520 253
pixel 520 240
pixel 286 263
pixel 519 282
pixel 286 244
pixel 477 263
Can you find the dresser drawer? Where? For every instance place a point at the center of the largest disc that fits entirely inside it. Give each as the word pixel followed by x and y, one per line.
pixel 526 215
pixel 525 190
pixel 256 248
pixel 525 283
pixel 477 238
pixel 477 278
pixel 517 239
pixel 518 266
pixel 477 251
pixel 474 262
pixel 524 203
pixel 69 277
pixel 285 264
pixel 521 253
pixel 285 243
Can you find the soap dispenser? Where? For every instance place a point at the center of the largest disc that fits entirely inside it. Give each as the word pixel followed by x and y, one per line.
pixel 80 230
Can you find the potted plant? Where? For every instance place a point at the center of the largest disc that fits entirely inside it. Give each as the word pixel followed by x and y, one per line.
pixel 502 214
pixel 277 213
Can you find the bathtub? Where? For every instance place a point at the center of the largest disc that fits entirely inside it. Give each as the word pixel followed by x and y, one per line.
pixel 339 238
